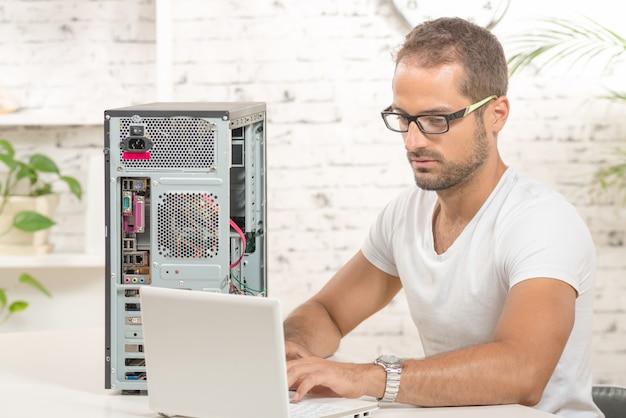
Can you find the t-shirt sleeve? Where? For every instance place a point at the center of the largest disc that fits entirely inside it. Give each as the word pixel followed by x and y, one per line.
pixel 548 238
pixel 378 245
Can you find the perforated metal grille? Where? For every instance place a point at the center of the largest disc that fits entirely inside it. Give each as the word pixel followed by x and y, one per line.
pixel 188 225
pixel 178 142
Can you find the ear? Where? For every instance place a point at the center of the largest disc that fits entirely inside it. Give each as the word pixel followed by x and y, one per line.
pixel 499 113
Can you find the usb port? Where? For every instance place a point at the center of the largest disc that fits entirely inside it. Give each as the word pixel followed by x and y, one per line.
pixel 135 362
pixel 136 376
pixel 128 244
pixel 131 293
pixel 133 348
pixel 133 320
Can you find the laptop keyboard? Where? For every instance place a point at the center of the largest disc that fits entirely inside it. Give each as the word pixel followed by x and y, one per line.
pixel 304 409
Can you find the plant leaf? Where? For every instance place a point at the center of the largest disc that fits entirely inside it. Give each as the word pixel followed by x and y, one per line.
pixel 565 41
pixel 31 281
pixel 26 171
pixel 561 39
pixel 18 306
pixel 44 164
pixel 45 189
pixel 30 221
pixel 3 299
pixel 8 161
pixel 74 186
pixel 8 147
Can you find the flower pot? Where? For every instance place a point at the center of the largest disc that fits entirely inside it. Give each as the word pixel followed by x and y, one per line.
pixel 25 243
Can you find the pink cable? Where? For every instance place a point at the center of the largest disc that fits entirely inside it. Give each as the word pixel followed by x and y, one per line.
pixel 243 241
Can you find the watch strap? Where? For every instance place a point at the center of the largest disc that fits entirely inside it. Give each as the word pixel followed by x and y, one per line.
pixel 392 384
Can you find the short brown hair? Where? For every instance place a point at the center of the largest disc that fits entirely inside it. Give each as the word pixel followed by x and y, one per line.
pixel 454 40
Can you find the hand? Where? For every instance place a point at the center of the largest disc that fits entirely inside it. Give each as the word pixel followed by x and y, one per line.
pixel 330 378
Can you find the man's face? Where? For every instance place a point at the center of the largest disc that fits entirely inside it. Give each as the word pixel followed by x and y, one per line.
pixel 439 161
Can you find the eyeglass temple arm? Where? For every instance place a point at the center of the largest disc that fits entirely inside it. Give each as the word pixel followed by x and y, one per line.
pixel 475 106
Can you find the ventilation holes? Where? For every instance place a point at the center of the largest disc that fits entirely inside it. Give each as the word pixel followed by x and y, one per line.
pixel 188 225
pixel 178 142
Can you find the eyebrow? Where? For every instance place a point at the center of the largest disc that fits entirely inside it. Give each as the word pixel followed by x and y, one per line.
pixel 435 110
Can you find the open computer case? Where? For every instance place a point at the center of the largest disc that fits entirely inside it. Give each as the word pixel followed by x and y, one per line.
pixel 185 193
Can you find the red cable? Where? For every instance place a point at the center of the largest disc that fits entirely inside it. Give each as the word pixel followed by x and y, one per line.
pixel 243 241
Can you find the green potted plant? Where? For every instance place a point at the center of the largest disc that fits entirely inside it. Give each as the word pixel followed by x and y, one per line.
pixel 562 41
pixel 27 205
pixel 27 200
pixel 9 308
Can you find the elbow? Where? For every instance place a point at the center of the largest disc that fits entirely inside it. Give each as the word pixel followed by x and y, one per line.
pixel 530 389
pixel 530 398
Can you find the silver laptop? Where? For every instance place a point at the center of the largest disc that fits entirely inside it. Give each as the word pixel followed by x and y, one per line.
pixel 214 355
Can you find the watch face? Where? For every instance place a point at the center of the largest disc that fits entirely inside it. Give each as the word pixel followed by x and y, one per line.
pixel 390 360
pixel 486 13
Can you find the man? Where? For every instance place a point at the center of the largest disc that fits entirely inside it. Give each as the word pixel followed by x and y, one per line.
pixel 498 269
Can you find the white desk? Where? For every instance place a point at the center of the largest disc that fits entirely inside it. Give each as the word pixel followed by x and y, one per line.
pixel 60 374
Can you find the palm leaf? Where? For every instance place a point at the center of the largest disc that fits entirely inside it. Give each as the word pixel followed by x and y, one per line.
pixel 559 40
pixel 613 177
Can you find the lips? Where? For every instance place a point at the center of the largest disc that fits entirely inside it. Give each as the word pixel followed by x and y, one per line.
pixel 422 162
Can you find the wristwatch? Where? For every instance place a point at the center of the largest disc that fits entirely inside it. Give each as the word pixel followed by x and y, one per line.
pixel 393 367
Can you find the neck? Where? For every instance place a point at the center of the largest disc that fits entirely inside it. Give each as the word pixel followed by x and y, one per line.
pixel 460 204
pixel 456 207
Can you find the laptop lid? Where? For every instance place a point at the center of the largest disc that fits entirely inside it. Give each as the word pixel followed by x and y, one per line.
pixel 216 355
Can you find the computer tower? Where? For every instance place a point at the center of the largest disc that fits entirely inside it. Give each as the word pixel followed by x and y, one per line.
pixel 185 192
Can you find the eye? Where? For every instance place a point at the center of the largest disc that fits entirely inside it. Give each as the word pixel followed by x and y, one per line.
pixel 433 120
pixel 402 121
pixel 436 120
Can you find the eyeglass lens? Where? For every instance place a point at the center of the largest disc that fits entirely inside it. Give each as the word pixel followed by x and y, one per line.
pixel 427 123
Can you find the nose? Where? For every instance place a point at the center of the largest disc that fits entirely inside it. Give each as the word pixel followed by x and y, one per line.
pixel 414 138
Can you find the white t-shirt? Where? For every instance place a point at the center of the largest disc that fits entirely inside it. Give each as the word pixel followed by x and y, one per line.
pixel 524 230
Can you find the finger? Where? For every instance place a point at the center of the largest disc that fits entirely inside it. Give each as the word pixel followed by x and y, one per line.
pixel 302 387
pixel 296 373
pixel 307 375
pixel 314 373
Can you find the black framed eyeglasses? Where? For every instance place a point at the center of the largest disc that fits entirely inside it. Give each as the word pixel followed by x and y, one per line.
pixel 428 123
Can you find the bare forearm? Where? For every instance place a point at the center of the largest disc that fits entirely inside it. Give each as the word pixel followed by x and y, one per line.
pixel 489 374
pixel 311 327
pixel 515 367
pixel 494 373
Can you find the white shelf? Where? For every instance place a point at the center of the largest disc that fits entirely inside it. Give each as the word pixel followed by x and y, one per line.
pixel 56 118
pixel 52 260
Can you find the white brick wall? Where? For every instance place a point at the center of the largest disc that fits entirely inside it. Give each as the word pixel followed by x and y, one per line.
pixel 324 69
